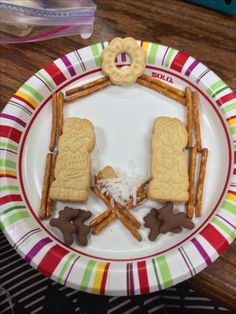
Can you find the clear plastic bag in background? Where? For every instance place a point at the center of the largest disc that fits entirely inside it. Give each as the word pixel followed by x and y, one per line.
pixel 36 20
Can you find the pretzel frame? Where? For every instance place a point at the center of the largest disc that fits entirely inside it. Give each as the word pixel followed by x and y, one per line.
pixel 116 211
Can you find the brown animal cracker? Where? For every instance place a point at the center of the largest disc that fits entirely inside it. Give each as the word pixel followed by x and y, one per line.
pixel 63 222
pixel 169 173
pixel 173 221
pixel 73 166
pixel 152 222
pixel 156 218
pixel 82 229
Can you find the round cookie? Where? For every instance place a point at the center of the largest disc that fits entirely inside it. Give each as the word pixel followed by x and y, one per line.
pixel 138 59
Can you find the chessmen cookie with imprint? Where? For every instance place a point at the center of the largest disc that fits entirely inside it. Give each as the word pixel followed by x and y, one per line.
pixel 137 55
pixel 169 173
pixel 73 165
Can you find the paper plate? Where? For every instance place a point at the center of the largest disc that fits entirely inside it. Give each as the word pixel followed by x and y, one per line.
pixel 114 263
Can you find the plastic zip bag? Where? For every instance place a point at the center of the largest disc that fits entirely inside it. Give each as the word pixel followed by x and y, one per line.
pixel 36 20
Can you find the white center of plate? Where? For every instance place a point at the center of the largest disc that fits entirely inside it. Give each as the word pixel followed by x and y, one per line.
pixel 123 118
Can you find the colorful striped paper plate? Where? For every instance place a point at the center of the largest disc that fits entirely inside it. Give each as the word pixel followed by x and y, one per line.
pixel 114 263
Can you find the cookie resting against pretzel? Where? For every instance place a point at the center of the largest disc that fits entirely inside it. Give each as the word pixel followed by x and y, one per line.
pixel 73 165
pixel 129 75
pixel 169 173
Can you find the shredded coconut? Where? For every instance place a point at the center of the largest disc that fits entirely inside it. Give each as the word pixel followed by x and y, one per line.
pixel 112 202
pixel 104 191
pixel 124 186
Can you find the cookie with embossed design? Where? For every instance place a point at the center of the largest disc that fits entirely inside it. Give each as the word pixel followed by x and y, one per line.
pixel 73 166
pixel 169 171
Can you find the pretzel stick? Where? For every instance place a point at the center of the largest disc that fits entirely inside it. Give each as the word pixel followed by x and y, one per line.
pixel 140 191
pixel 197 121
pixel 50 202
pixel 97 220
pixel 103 215
pixel 126 213
pixel 192 168
pixel 54 123
pixel 161 90
pixel 125 222
pixel 141 196
pixel 108 212
pixel 103 224
pixel 130 205
pixel 189 116
pixel 60 113
pixel 201 179
pixel 45 189
pixel 86 86
pixel 163 85
pixel 87 92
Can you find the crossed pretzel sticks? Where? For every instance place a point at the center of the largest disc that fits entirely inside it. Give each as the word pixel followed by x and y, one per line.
pixel 117 210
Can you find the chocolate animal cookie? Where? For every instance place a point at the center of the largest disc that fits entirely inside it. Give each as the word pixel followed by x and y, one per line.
pixel 171 220
pixel 82 229
pixel 63 222
pixel 71 221
pixel 152 222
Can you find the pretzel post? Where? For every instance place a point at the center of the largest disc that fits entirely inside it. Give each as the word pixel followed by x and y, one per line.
pixel 60 113
pixel 54 123
pixel 192 168
pixel 50 202
pixel 195 99
pixel 45 189
pixel 189 116
pixel 201 179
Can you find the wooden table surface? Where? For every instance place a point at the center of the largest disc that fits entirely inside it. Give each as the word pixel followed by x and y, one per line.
pixel 204 34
